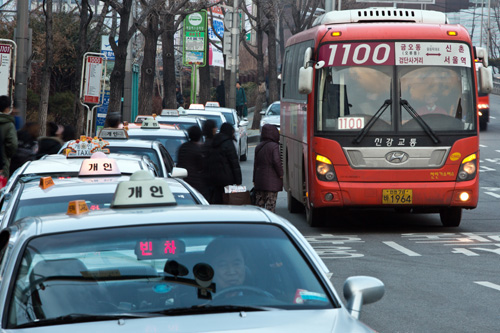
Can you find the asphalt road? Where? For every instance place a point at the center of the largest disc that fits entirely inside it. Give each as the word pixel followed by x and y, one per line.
pixel 437 279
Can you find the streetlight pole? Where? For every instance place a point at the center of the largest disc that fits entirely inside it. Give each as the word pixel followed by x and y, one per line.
pixel 235 38
pixel 22 41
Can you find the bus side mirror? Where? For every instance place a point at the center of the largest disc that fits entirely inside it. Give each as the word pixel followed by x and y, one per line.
pixel 482 54
pixel 306 74
pixel 485 80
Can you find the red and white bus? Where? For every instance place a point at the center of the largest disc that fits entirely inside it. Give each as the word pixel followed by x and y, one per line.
pixel 379 109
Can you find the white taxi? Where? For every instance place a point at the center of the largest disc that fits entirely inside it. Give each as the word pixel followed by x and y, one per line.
pixel 178 118
pixel 60 166
pixel 46 195
pixel 149 265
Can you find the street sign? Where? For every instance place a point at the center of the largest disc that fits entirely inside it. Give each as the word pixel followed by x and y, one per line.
pixel 227 43
pixel 93 79
pixel 5 68
pixel 195 39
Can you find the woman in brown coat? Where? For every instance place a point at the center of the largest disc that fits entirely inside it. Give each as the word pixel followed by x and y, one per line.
pixel 267 168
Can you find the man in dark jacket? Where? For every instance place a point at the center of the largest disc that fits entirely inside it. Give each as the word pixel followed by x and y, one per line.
pixel 8 133
pixel 220 93
pixel 51 143
pixel 190 158
pixel 267 168
pixel 223 163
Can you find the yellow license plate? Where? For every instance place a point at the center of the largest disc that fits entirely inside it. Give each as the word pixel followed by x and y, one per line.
pixel 397 197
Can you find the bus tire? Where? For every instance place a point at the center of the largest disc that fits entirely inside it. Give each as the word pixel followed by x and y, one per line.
pixel 314 217
pixel 450 217
pixel 294 205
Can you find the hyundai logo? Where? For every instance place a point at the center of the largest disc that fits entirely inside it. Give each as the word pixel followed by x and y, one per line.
pixel 397 157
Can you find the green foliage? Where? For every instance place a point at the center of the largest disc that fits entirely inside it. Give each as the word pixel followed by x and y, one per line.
pixel 61 108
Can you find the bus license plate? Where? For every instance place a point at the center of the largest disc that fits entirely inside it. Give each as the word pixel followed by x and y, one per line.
pixel 397 197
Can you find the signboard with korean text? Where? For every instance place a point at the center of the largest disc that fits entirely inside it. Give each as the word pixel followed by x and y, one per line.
pixel 396 53
pixel 428 2
pixel 93 79
pixel 195 38
pixel 5 67
pixel 106 47
pixel 215 29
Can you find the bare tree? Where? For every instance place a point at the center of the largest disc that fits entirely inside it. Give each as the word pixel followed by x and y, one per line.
pixel 151 32
pixel 47 67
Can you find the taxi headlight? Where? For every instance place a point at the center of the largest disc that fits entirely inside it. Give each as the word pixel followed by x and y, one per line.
pixel 468 169
pixel 324 169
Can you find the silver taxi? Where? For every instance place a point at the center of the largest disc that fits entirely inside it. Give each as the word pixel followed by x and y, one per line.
pixel 165 267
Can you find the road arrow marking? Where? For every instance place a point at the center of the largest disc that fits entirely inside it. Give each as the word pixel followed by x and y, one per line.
pixel 488 284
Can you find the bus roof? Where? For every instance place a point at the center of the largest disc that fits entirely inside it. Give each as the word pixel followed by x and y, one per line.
pixel 382 14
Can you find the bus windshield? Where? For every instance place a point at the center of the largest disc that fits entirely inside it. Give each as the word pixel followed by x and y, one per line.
pixel 404 98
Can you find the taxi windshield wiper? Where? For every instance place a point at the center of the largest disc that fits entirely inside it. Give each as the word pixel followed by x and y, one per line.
pixel 204 309
pixel 82 318
pixel 419 120
pixel 372 121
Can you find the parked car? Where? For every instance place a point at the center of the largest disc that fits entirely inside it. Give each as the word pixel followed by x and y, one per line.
pixel 271 115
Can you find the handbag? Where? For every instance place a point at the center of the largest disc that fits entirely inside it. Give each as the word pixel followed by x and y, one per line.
pixel 236 195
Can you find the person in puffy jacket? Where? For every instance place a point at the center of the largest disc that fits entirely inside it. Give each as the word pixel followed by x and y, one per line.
pixel 190 157
pixel 267 168
pixel 223 163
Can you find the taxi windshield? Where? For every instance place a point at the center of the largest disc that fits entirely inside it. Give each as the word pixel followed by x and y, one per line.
pixel 161 270
pixel 171 143
pixel 59 204
pixel 149 152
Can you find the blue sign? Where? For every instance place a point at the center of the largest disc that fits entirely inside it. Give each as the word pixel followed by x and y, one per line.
pixel 102 111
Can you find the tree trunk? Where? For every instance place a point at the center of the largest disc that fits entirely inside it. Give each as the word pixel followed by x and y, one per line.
pixel 260 76
pixel 205 84
pixel 169 79
pixel 148 68
pixel 118 74
pixel 47 69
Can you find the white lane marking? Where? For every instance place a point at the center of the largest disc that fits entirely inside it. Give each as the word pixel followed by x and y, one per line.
pixel 483 146
pixel 488 284
pixel 402 249
pixel 493 194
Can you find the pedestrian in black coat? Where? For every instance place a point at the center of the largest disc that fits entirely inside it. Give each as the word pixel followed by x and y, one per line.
pixel 190 157
pixel 223 163
pixel 267 168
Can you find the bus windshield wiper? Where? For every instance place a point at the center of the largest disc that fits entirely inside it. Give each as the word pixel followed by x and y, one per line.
pixel 419 120
pixel 372 121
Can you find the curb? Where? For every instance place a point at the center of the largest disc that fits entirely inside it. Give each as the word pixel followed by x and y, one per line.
pixel 253 138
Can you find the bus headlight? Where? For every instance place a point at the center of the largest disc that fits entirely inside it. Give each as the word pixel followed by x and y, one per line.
pixel 324 169
pixel 468 169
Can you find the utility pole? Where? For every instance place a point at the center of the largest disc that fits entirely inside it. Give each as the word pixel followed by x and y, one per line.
pixel 488 29
pixel 235 39
pixel 22 41
pixel 127 86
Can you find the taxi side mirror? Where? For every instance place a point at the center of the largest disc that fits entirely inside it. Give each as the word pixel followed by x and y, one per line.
pixel 243 123
pixel 360 290
pixel 178 173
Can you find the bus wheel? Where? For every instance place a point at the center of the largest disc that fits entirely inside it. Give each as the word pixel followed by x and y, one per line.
pixel 450 217
pixel 294 205
pixel 314 217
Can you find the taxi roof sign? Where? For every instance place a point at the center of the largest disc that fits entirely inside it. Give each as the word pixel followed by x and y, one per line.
pixel 197 107
pixel 170 112
pixel 150 122
pixel 86 146
pixel 46 182
pixel 99 165
pixel 113 133
pixel 143 190
pixel 77 207
pixel 212 104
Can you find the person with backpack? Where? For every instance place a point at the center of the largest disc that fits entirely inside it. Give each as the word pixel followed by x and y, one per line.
pixel 223 163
